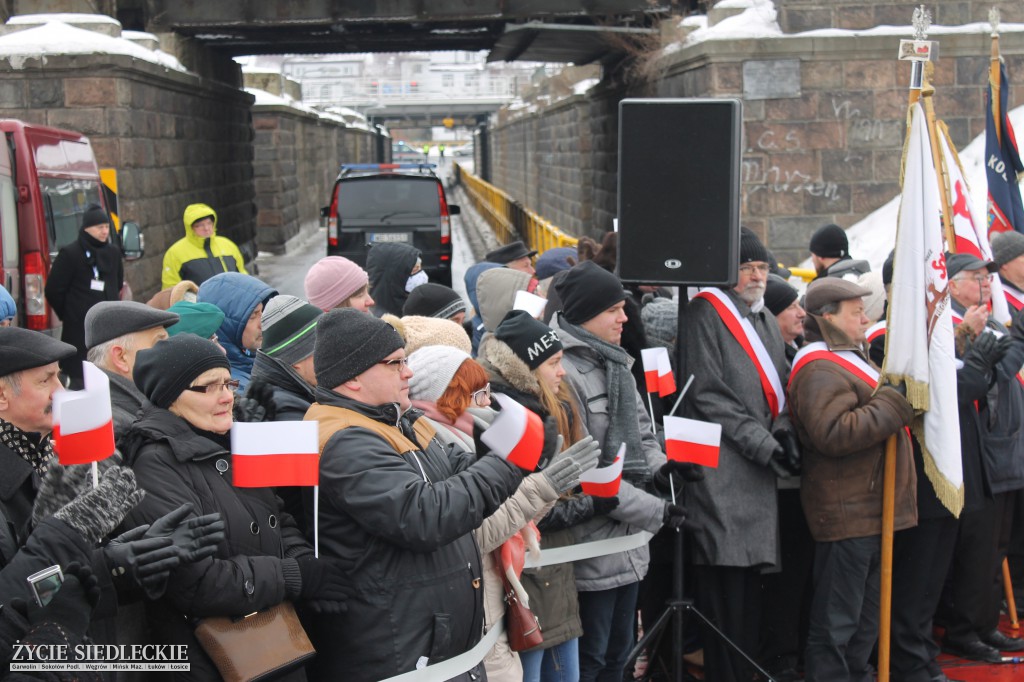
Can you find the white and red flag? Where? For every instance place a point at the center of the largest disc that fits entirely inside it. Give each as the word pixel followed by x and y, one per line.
pixel 658 371
pixel 690 440
pixel 605 482
pixel 269 454
pixel 531 303
pixel 517 434
pixel 919 343
pixel 83 424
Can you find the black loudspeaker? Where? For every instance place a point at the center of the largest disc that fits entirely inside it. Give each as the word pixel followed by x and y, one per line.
pixel 679 191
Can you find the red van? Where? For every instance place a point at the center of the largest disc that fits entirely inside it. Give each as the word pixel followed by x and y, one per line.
pixel 48 177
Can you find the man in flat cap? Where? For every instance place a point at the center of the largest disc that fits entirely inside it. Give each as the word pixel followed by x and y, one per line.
pixel 515 256
pixel 737 357
pixel 985 527
pixel 1008 254
pixel 843 421
pixel 830 254
pixel 115 331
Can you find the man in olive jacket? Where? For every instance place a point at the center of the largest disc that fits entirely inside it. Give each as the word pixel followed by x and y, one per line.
pixel 397 508
pixel 843 424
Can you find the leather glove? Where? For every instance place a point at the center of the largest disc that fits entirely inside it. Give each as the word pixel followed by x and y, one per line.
pixel 603 505
pixel 259 397
pixel 194 538
pixel 786 457
pixel 147 561
pixel 246 409
pixel 323 585
pixel 675 517
pixel 984 353
pixel 98 511
pixel 564 473
pixel 680 472
pixel 71 606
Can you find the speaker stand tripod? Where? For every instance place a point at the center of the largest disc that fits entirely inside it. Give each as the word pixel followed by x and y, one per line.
pixel 676 610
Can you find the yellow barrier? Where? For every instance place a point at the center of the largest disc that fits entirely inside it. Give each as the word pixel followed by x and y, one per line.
pixel 508 218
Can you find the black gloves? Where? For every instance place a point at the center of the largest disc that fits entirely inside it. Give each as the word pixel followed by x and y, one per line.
pixel 194 538
pixel 323 583
pixel 71 606
pixel 675 517
pixel 603 505
pixel 683 472
pixel 257 405
pixel 98 511
pixel 785 459
pixel 986 351
pixel 148 561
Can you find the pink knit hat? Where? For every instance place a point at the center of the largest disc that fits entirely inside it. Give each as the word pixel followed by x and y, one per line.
pixel 333 280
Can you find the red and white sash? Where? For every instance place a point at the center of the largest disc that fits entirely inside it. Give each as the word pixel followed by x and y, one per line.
pixel 1014 297
pixel 875 330
pixel 751 344
pixel 847 359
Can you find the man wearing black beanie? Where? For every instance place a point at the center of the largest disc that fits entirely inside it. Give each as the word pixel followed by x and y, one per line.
pixel 830 254
pixel 598 369
pixel 781 299
pixel 735 351
pixel 396 507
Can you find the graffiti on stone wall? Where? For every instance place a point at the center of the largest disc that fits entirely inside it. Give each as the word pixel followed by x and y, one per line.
pixel 774 179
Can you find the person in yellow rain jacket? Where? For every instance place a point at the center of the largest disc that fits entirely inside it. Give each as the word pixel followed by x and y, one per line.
pixel 200 254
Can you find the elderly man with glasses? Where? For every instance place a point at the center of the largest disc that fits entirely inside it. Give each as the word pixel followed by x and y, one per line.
pixel 397 508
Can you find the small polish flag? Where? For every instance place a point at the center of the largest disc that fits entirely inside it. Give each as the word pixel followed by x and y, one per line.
pixel 604 482
pixel 83 426
pixel 517 434
pixel 267 454
pixel 689 440
pixel 531 303
pixel 658 371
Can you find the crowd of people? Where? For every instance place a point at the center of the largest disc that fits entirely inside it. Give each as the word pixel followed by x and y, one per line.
pixel 419 530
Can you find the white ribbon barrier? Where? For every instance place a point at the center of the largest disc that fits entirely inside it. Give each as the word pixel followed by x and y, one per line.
pixel 445 670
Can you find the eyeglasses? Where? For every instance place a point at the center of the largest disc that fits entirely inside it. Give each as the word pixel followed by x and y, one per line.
pixel 230 384
pixel 750 268
pixel 400 363
pixel 482 398
pixel 977 278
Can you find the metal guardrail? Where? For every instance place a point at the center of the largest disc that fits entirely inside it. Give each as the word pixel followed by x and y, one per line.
pixel 509 219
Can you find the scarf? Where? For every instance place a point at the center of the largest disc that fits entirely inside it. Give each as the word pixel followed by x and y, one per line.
pixel 32 448
pixel 623 426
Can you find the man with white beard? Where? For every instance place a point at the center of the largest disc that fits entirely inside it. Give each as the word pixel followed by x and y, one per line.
pixel 736 354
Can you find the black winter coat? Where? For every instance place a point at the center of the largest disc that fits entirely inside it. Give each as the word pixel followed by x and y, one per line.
pixel 69 288
pixel 388 266
pixel 174 465
pixel 402 525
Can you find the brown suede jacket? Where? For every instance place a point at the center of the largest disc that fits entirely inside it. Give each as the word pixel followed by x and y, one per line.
pixel 843 426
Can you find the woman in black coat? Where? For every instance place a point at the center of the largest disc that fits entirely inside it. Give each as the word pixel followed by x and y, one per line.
pixel 180 451
pixel 85 272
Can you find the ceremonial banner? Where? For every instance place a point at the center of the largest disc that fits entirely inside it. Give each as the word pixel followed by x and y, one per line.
pixel 919 342
pixel 1002 164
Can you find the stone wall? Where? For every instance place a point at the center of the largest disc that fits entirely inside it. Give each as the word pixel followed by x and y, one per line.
pixel 297 156
pixel 824 121
pixel 174 138
pixel 805 15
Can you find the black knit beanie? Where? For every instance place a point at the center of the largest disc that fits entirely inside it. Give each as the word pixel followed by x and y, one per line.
pixel 532 341
pixel 348 343
pixel 887 268
pixel 164 371
pixel 751 248
pixel 434 300
pixel 829 241
pixel 587 290
pixel 94 215
pixel 778 294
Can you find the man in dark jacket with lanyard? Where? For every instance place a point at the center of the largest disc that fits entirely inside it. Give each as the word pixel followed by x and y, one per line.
pixel 397 508
pixel 85 272
pixel 975 587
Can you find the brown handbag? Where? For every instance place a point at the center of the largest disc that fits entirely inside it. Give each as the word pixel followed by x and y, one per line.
pixel 262 646
pixel 521 626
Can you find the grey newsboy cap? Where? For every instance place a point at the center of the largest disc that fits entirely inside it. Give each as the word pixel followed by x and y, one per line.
pixel 22 349
pixel 958 262
pixel 1006 246
pixel 110 319
pixel 827 290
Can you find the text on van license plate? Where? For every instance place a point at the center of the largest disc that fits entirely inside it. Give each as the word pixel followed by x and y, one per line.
pixel 389 237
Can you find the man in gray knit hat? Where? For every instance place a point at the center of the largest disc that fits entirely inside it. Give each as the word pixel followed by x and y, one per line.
pixel 397 508
pixel 1008 254
pixel 115 331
